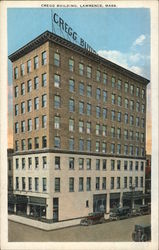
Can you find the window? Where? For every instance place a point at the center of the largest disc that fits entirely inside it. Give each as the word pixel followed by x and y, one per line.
pixel 36 140
pixel 71 105
pixel 125 165
pixel 113 115
pixel 71 85
pixel 71 184
pixel 16 128
pixel 57 162
pixel 36 184
pixel 118 148
pixel 142 166
pixel 112 132
pixel 16 145
pixel 143 122
pixel 119 84
pixel 131 165
pixel 136 181
pixel 44 101
pixel 119 116
pixel 30 183
pixel 57 122
pixel 36 162
pixel 142 108
pixel 131 135
pixel 105 78
pixel 130 181
pixel 22 67
pixel 131 150
pixel 126 103
pixel 29 104
pixel 112 165
pixel 71 125
pixel 81 126
pixel 113 82
pixel 88 162
pixel 88 127
pixel 136 165
pixel 89 109
pixel 23 183
pixel 16 73
pixel 131 120
pixel 23 107
pixel 29 125
pixel 36 103
pixel 23 88
pixel 44 161
pixel 104 183
pixel 71 144
pixel 23 163
pixel 142 137
pixel 137 106
pixel 142 152
pixel 44 80
pixel 89 91
pixel 125 149
pixel 143 94
pixel 44 58
pixel 97 183
pixel 126 118
pixel 89 72
pixel 137 136
pixel 97 164
pixel 112 148
pixel 36 123
pixel 137 92
pixel 44 181
pixel 36 82
pixel 16 91
pixel 113 98
pixel 81 69
pixel 56 59
pixel 97 129
pixel 104 96
pixel 57 184
pixel 98 76
pixel 118 133
pixel 119 101
pixel 126 87
pixel 44 120
pixel 88 184
pixel 29 86
pixel 81 184
pixel 81 88
pixel 81 145
pixel 104 130
pixel 104 112
pixel 118 165
pixel 118 182
pixel 44 142
pixel 141 181
pixel 16 163
pixel 131 89
pixel 88 145
pixel 57 101
pixel 112 183
pixel 71 163
pixel 104 147
pixel 97 146
pixel 137 151
pixel 98 94
pixel 81 108
pixel 29 163
pixel 125 134
pixel 57 142
pixel 131 105
pixel 23 144
pixel 36 62
pixel 125 182
pixel 104 164
pixel 17 183
pixel 29 66
pixel 16 109
pixel 71 65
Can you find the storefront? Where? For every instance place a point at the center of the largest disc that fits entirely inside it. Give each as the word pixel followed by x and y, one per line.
pixel 114 200
pixel 11 202
pixel 21 204
pixel 99 203
pixel 37 207
pixel 132 199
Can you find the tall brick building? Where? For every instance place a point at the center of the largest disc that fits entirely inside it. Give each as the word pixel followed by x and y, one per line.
pixel 79 131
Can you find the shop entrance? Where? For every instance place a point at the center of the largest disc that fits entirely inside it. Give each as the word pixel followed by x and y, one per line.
pixel 55 209
pixel 114 200
pixel 99 203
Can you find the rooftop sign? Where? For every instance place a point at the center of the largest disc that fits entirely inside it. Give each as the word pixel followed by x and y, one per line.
pixel 70 32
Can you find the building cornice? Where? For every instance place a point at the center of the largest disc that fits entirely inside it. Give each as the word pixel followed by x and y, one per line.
pixel 51 37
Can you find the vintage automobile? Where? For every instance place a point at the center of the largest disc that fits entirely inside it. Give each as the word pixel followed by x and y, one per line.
pixel 120 213
pixel 93 218
pixel 141 233
pixel 144 209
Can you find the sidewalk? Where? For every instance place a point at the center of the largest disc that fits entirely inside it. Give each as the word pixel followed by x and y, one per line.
pixel 43 225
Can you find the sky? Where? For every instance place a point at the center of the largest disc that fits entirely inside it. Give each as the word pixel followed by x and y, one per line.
pixel 119 35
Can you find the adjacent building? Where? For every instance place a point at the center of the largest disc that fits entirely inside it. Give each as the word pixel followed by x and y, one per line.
pixel 79 131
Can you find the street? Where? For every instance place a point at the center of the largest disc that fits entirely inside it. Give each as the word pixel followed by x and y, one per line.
pixel 110 231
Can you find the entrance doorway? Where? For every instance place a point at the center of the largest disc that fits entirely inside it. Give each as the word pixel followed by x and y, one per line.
pixel 55 209
pixel 99 203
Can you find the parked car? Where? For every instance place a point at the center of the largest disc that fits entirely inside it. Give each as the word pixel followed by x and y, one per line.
pixel 144 209
pixel 93 218
pixel 120 213
pixel 141 233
